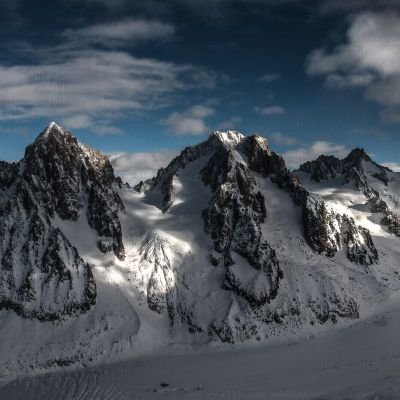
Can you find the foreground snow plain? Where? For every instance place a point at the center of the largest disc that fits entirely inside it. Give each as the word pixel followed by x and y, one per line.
pixel 361 362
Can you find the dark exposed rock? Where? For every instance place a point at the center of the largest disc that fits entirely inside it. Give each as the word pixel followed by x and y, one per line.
pixel 352 170
pixel 334 308
pixel 233 220
pixel 233 167
pixel 235 211
pixel 391 221
pixel 64 175
pixel 41 274
pixel 325 231
pixel 323 168
pixel 260 158
pixel 360 247
pixel 160 289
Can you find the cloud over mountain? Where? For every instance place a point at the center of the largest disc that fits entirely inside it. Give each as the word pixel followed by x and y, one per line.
pixel 368 58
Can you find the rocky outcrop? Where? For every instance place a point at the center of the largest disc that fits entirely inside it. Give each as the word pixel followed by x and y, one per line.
pixel 69 179
pixel 323 168
pixel 157 252
pixel 234 213
pixel 353 170
pixel 237 209
pixel 233 220
pixel 325 232
pixel 41 274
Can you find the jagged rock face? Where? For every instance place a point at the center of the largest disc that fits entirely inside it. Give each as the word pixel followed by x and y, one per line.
pixel 323 230
pixel 324 167
pixel 260 158
pixel 235 211
pixel 41 274
pixel 158 252
pixel 321 227
pixel 353 171
pixel 234 215
pixel 327 232
pixel 360 247
pixel 67 178
pixel 163 181
pixel 330 167
pixel 8 172
pixel 233 247
pixel 233 220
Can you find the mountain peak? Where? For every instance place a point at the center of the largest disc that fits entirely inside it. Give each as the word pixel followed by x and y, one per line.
pixel 51 131
pixel 53 124
pixel 357 154
pixel 232 138
pixel 52 128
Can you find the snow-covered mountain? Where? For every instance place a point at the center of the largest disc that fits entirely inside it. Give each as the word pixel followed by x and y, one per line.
pixel 225 244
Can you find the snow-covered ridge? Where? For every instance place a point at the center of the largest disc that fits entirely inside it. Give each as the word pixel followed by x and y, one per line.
pixel 232 138
pixel 225 244
pixel 52 127
pixel 378 184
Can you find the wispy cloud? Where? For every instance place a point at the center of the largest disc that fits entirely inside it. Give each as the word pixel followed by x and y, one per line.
pixel 270 110
pixel 369 58
pixel 136 167
pixel 87 84
pixel 298 156
pixel 231 123
pixel 284 140
pixel 119 32
pixel 190 122
pixel 269 78
pixel 394 166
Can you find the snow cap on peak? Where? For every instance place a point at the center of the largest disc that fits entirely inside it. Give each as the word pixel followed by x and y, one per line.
pixel 231 138
pixel 263 142
pixel 52 129
pixel 53 125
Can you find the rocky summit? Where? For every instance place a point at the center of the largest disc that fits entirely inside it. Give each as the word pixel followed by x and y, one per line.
pixel 224 244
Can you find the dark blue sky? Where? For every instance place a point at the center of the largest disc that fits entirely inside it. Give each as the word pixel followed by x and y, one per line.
pixel 152 75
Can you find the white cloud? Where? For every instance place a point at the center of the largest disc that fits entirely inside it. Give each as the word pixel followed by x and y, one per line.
pixel 294 158
pixel 136 167
pixel 118 32
pixel 80 86
pixel 231 123
pixel 269 78
pixel 89 80
pixel 335 80
pixel 346 6
pixel 369 58
pixel 270 110
pixel 190 122
pixel 373 42
pixel 279 138
pixel 77 121
pixel 393 166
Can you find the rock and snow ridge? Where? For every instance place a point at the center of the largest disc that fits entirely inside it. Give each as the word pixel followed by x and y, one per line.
pixel 374 181
pixel 42 274
pixel 224 244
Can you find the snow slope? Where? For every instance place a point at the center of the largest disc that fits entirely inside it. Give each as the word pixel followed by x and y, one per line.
pixel 224 247
pixel 359 363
